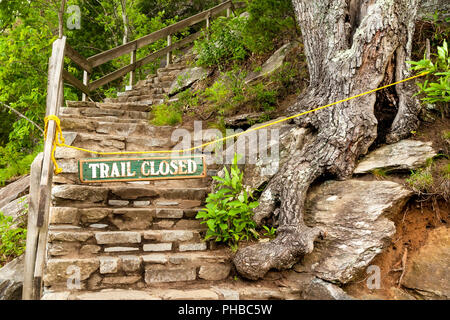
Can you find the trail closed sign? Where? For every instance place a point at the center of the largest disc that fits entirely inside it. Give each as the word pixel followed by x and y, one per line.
pixel 141 169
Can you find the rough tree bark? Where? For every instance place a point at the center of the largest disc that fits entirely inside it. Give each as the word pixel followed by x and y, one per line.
pixel 351 46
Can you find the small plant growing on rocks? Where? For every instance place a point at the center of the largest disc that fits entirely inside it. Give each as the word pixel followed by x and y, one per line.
pixel 229 210
pixel 12 239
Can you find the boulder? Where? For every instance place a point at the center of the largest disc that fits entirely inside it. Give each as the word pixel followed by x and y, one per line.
pixel 187 78
pixel 428 269
pixel 14 190
pixel 318 289
pixel 404 155
pixel 11 280
pixel 274 63
pixel 353 214
pixel 16 208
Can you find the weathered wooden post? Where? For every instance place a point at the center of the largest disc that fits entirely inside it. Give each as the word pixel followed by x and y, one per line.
pixel 169 54
pixel 132 73
pixel 54 101
pixel 208 24
pixel 86 77
pixel 32 229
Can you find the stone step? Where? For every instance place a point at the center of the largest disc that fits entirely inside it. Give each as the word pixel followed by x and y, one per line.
pixel 121 196
pixel 113 143
pixel 121 127
pixel 102 112
pixel 84 242
pixel 144 267
pixel 139 107
pixel 142 216
pixel 223 290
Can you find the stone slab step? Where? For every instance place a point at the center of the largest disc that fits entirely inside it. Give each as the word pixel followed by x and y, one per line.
pixel 220 291
pixel 139 107
pixel 120 127
pixel 112 143
pixel 98 112
pixel 143 266
pixel 120 196
pixel 125 219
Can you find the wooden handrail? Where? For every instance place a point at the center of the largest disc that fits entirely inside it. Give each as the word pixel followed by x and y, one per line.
pixel 119 51
pixel 94 61
pixel 151 57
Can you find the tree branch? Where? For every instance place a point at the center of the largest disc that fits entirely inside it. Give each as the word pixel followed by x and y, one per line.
pixel 23 116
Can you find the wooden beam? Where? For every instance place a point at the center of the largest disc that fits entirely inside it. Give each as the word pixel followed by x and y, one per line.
pixel 86 77
pixel 141 62
pixel 78 58
pixel 75 82
pixel 32 229
pixel 54 100
pixel 132 73
pixel 116 52
pixel 111 77
pixel 169 54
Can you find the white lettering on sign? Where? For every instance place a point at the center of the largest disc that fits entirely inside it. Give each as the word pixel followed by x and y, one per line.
pixel 94 167
pixel 140 169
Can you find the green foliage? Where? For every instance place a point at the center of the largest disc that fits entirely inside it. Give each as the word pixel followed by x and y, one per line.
pixel 269 19
pixel 446 135
pixel 12 239
pixel 13 163
pixel 233 39
pixel 270 232
pixel 440 27
pixel 226 43
pixel 229 210
pixel 166 115
pixel 421 180
pixel 436 87
pixel 380 173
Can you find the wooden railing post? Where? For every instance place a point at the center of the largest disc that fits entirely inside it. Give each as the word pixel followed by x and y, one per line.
pixel 86 77
pixel 32 229
pixel 54 101
pixel 208 24
pixel 132 62
pixel 169 54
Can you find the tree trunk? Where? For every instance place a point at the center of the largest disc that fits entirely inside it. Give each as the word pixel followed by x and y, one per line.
pixel 61 19
pixel 351 47
pixel 126 31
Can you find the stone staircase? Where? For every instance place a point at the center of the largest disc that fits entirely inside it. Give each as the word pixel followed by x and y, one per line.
pixel 132 240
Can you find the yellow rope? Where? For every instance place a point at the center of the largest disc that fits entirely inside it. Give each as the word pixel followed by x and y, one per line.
pixel 57 141
pixel 61 141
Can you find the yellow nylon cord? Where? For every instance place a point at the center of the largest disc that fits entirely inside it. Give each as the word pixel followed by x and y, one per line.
pixel 57 141
pixel 61 141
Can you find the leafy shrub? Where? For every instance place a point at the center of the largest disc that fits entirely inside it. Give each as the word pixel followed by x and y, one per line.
pixel 166 115
pixel 12 239
pixel 229 210
pixel 227 93
pixel 264 98
pixel 436 87
pixel 268 20
pixel 270 232
pixel 14 163
pixel 420 180
pixel 225 44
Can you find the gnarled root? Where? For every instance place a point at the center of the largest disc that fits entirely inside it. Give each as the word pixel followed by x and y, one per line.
pixel 291 244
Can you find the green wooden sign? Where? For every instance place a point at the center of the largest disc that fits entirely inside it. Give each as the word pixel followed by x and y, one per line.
pixel 141 169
